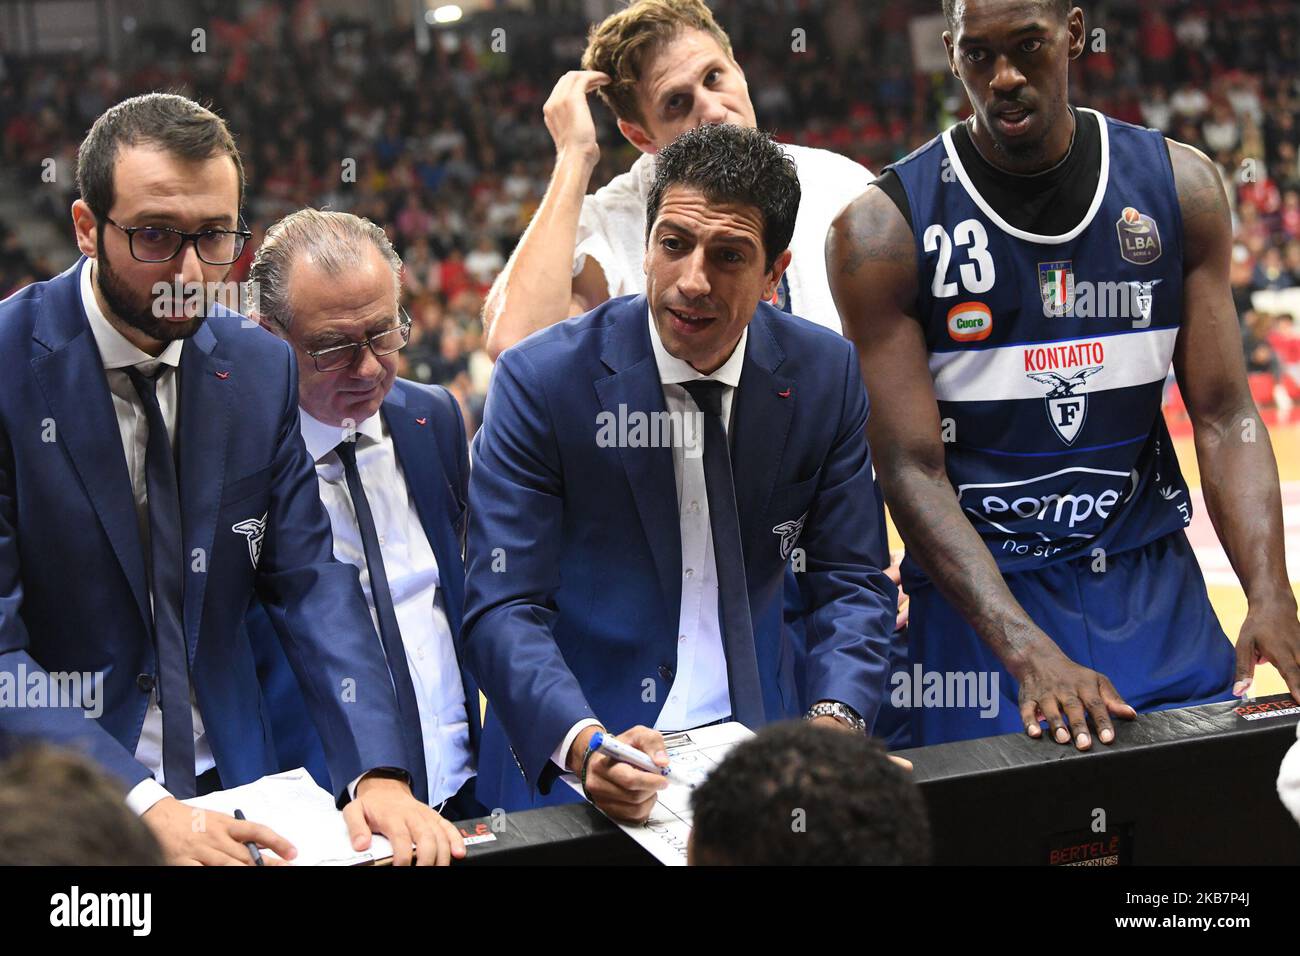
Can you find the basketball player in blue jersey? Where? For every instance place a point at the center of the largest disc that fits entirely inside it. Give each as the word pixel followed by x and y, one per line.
pixel 1017 289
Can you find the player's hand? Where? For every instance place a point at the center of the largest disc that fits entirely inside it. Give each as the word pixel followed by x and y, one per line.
pixel 384 805
pixel 193 837
pixel 1270 635
pixel 568 113
pixel 1055 689
pixel 895 574
pixel 618 789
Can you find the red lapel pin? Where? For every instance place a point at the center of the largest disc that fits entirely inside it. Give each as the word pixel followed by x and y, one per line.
pixel 422 421
pixel 223 375
pixel 785 394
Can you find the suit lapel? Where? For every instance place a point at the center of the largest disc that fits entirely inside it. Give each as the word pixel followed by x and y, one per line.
pixel 761 421
pixel 71 375
pixel 410 420
pixel 207 392
pixel 426 480
pixel 635 387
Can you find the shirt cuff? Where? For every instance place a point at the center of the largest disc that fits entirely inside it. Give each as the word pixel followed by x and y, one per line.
pixel 395 773
pixel 144 795
pixel 562 751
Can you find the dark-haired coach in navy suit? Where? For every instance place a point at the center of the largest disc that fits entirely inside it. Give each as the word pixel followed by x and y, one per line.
pixel 643 476
pixel 152 476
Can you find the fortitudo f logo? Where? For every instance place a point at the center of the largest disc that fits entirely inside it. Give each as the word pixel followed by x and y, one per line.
pixel 1066 410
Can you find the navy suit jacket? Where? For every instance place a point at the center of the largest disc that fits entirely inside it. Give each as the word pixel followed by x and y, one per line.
pixel 429 438
pixel 74 594
pixel 574 552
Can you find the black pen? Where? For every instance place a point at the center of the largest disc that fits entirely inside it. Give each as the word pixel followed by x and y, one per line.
pixel 252 847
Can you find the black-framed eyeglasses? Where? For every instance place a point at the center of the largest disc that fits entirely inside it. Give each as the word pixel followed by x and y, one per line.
pixel 387 342
pixel 216 247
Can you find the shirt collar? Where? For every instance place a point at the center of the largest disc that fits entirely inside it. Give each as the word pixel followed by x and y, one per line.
pixel 321 439
pixel 644 171
pixel 115 350
pixel 673 371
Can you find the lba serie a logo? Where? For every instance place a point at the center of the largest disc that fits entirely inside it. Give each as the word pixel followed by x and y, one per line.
pixel 1139 237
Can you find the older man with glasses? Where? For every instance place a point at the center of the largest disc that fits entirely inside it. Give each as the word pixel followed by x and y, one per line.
pixel 392 466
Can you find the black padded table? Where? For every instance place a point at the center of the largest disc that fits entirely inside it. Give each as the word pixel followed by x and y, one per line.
pixel 1195 785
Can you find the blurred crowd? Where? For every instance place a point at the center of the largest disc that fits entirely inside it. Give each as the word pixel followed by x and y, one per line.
pixel 446 148
pixel 18 267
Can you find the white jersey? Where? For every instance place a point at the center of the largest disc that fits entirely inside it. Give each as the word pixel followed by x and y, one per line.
pixel 611 228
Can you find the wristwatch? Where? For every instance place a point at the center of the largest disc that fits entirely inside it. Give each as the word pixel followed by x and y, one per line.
pixel 841 712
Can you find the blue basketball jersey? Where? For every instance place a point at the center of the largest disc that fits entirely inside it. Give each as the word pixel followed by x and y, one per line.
pixel 1049 354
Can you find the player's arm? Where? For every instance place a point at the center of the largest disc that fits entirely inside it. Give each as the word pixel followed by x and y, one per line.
pixel 537 287
pixel 871 262
pixel 1233 451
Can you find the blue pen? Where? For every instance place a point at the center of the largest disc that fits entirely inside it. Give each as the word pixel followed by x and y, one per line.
pixel 617 750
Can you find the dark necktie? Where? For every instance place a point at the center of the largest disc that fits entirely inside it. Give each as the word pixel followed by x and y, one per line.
pixel 166 584
pixel 733 592
pixel 389 633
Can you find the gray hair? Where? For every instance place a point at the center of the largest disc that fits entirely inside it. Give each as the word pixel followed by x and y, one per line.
pixel 328 239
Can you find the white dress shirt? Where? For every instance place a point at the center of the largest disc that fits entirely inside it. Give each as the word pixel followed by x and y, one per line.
pixel 117 355
pixel 699 693
pixel 413 582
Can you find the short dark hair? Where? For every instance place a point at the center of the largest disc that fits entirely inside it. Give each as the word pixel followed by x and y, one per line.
pixel 800 795
pixel 59 809
pixel 1059 8
pixel 174 123
pixel 731 164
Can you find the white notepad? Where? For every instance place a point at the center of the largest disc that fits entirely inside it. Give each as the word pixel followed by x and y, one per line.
pixel 693 753
pixel 294 806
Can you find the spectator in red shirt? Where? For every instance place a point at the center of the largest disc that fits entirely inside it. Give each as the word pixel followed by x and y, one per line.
pixel 455 277
pixel 1291 214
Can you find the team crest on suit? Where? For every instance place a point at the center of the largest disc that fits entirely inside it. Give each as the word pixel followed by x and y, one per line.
pixel 789 532
pixel 254 529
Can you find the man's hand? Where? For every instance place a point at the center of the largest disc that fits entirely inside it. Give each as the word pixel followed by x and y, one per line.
pixel 895 574
pixel 193 837
pixel 1270 635
pixel 833 724
pixel 384 805
pixel 568 113
pixel 618 789
pixel 1055 689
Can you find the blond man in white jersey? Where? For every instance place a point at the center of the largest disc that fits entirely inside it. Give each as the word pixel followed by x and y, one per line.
pixel 662 66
